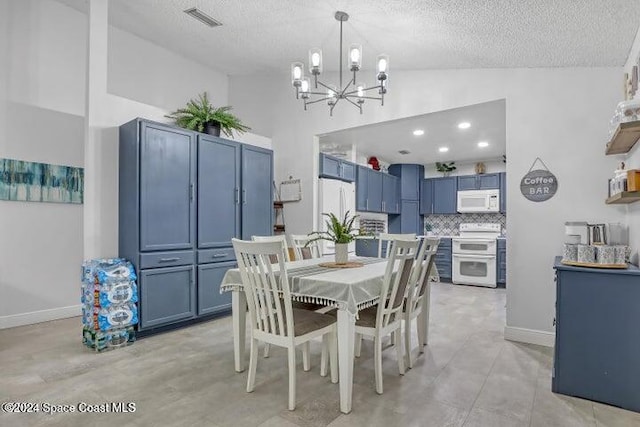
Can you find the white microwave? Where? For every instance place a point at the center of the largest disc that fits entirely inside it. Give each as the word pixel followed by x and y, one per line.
pixel 479 201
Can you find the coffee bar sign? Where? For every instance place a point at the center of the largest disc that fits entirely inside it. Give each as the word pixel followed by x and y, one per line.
pixel 539 185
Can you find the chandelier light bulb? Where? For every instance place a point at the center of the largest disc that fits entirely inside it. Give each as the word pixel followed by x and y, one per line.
pixel 315 61
pixel 304 87
pixel 355 56
pixel 383 64
pixel 360 89
pixel 296 73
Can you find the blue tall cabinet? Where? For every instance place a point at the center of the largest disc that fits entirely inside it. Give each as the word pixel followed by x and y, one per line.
pixel 182 197
pixel 409 219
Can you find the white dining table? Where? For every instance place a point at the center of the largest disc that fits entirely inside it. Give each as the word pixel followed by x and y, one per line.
pixel 348 290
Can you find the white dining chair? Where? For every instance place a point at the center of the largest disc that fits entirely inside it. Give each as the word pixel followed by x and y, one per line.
pixel 273 319
pixel 388 237
pixel 278 238
pixel 303 247
pixel 417 298
pixel 385 318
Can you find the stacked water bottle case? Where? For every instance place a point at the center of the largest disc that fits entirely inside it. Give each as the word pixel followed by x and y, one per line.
pixel 109 309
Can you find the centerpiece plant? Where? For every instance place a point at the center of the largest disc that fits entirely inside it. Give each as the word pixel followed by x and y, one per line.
pixel 340 231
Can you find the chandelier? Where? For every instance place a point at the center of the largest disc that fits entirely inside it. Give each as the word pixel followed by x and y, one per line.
pixel 353 92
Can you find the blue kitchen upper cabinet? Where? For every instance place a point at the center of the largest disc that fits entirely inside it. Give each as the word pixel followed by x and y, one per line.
pixel 489 181
pixel 362 179
pixel 332 167
pixel 374 191
pixel 210 300
pixel 218 191
pixel 445 198
pixel 426 197
pixel 390 188
pixel 167 295
pixel 329 166
pixel 348 172
pixel 167 188
pixel 503 192
pixel 256 195
pixel 468 182
pixel 410 176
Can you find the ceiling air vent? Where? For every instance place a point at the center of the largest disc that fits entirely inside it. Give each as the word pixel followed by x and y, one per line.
pixel 404 152
pixel 202 17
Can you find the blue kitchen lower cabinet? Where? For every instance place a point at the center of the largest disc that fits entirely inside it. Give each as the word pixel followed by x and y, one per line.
pixel 597 345
pixel 501 262
pixel 210 300
pixel 443 260
pixel 503 192
pixel 167 295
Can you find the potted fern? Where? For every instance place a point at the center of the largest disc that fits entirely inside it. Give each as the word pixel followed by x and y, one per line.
pixel 201 116
pixel 339 231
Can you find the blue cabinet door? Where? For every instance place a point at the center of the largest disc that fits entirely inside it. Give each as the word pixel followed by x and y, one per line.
pixel 210 300
pixel 443 260
pixel 490 181
pixel 329 166
pixel 362 176
pixel 503 192
pixel 256 195
pixel 410 176
pixel 167 188
pixel 347 171
pixel 468 182
pixel 501 262
pixel 374 193
pixel 445 195
pixel 390 194
pixel 426 196
pixel 410 221
pixel 218 191
pixel 167 295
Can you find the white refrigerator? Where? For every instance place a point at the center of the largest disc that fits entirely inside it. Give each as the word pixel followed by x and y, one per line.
pixel 335 197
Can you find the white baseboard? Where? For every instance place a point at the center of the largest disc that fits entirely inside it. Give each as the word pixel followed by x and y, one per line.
pixel 23 319
pixel 529 336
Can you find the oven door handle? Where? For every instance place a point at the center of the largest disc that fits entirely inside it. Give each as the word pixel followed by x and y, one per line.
pixel 474 256
pixel 473 240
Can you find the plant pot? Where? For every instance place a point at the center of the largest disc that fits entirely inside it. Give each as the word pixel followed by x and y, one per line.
pixel 342 255
pixel 212 128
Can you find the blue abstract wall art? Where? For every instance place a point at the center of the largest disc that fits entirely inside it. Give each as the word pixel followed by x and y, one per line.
pixel 40 182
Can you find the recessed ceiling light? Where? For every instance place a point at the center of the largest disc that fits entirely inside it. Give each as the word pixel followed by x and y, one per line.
pixel 483 144
pixel 464 125
pixel 418 132
pixel 443 149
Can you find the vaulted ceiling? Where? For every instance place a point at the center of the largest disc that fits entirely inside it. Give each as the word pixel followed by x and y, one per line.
pixel 267 35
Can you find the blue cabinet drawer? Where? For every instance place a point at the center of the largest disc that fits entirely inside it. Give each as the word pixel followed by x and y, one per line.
pixel 166 259
pixel 216 255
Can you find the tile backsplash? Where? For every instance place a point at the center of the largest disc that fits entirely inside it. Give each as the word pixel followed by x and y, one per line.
pixel 448 224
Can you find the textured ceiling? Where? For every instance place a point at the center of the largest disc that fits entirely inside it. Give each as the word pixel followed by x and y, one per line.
pixel 267 35
pixel 488 123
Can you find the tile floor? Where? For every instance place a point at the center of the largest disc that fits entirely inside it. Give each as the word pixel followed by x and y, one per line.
pixel 468 376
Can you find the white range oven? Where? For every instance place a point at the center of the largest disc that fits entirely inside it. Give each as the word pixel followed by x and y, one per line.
pixel 474 254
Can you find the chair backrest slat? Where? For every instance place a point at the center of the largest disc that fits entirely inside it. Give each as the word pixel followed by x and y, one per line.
pixel 387 237
pixel 396 278
pixel 279 238
pixel 303 247
pixel 419 281
pixel 266 285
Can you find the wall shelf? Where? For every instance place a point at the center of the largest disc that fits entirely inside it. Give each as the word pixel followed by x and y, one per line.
pixel 624 198
pixel 625 137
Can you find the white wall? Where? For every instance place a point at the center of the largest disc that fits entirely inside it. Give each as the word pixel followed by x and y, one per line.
pixel 633 160
pixel 560 115
pixel 43 75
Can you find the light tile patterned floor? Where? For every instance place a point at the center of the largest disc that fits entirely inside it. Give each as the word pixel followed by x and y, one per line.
pixel 469 376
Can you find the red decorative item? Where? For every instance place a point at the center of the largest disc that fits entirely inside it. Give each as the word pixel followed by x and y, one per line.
pixel 374 163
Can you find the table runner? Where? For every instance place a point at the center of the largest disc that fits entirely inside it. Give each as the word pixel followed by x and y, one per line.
pixel 350 289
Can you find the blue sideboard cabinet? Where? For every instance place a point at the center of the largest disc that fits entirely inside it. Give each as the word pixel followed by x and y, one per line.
pixel 597 342
pixel 332 167
pixel 182 197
